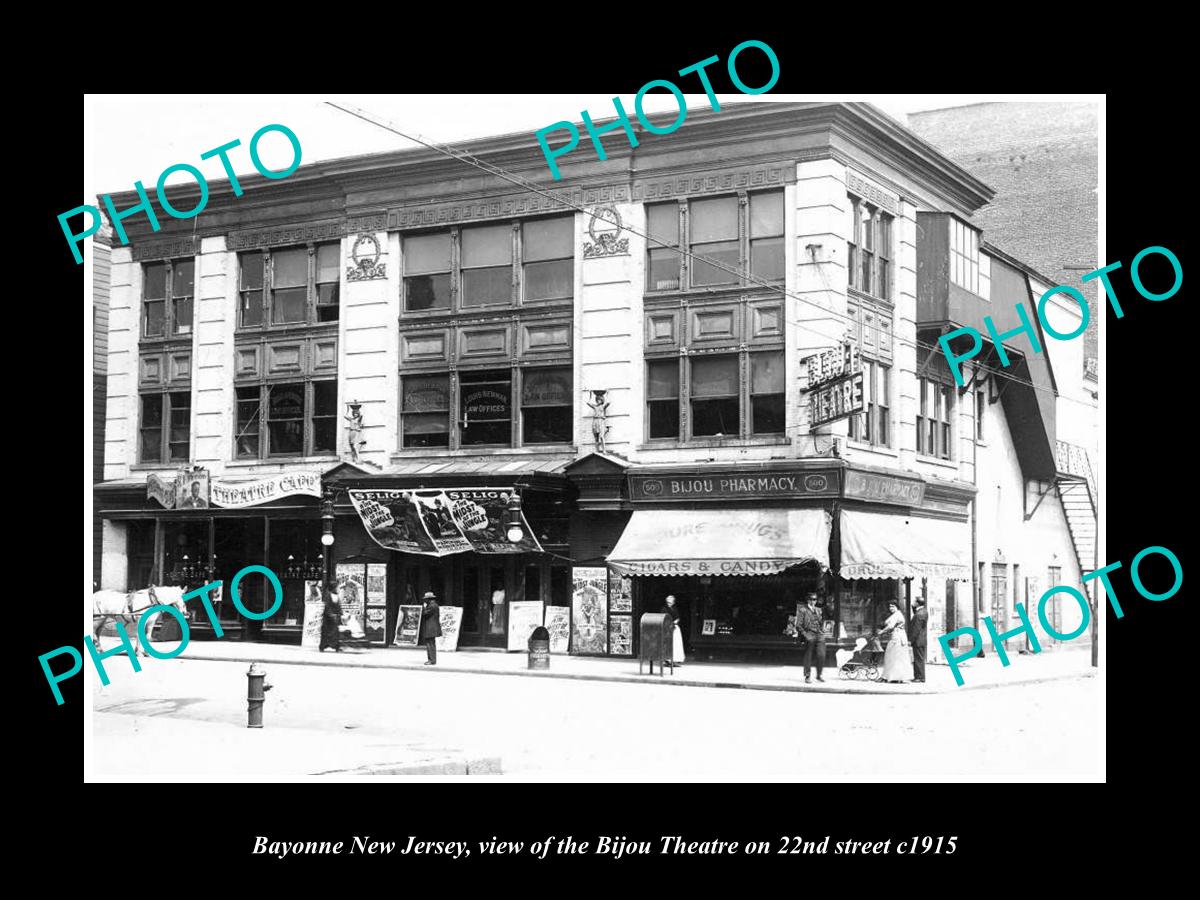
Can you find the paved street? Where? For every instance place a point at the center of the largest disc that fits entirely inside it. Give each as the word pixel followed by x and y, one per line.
pixel 187 718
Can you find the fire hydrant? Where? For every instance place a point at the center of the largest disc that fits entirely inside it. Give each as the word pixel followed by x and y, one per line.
pixel 256 688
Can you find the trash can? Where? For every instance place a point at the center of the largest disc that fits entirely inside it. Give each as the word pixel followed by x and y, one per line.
pixel 539 648
pixel 656 632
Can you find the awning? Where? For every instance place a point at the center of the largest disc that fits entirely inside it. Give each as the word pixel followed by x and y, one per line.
pixel 721 542
pixel 879 545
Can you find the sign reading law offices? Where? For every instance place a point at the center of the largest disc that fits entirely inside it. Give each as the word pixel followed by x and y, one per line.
pixel 734 486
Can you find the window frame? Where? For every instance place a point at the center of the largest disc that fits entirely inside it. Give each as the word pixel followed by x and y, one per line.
pixel 866 427
pixel 168 300
pixel 517 375
pixel 745 243
pixel 517 263
pixel 939 442
pixel 966 258
pixel 164 439
pixel 266 256
pixel 871 237
pixel 262 417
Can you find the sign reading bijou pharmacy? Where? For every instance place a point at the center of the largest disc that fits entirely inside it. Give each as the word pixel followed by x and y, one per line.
pixel 233 494
pixel 734 485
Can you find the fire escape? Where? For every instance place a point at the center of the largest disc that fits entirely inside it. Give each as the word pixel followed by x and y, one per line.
pixel 1077 491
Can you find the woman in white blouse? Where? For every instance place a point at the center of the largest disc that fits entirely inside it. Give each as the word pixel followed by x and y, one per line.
pixel 897 659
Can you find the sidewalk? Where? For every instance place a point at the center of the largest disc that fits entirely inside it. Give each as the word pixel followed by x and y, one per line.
pixel 168 746
pixel 976 673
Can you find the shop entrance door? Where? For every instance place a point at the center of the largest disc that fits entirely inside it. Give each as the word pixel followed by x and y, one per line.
pixel 486 588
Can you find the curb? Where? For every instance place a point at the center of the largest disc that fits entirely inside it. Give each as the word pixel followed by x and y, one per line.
pixel 483 766
pixel 832 688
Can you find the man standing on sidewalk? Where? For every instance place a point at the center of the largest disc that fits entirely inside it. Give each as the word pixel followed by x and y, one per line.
pixel 810 624
pixel 918 634
pixel 431 627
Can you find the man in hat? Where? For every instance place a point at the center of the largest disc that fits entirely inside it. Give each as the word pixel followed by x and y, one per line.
pixel 811 625
pixel 918 635
pixel 431 627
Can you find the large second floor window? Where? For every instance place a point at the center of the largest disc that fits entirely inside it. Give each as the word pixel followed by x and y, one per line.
pixel 494 407
pixel 489 265
pixel 869 249
pixel 288 419
pixel 725 235
pixel 934 431
pixel 289 286
pixel 166 422
pixel 168 293
pixel 716 393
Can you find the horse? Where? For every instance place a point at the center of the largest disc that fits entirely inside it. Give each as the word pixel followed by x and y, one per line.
pixel 128 606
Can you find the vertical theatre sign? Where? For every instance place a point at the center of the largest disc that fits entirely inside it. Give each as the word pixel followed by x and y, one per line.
pixel 835 384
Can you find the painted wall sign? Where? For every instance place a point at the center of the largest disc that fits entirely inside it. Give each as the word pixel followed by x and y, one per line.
pixel 884 488
pixel 756 485
pixel 236 494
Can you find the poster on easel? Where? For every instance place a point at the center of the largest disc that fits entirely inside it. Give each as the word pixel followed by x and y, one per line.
pixel 451 619
pixel 314 606
pixel 523 617
pixel 558 623
pixel 589 610
pixel 408 627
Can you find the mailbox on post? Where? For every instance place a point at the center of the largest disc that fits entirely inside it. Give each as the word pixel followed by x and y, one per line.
pixel 657 631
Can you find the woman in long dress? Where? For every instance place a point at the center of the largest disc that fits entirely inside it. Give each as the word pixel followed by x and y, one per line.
pixel 331 618
pixel 897 660
pixel 672 610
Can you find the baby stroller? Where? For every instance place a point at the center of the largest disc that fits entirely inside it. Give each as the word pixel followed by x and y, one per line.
pixel 864 662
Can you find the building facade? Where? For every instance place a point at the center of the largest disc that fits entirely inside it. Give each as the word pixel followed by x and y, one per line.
pixel 705 366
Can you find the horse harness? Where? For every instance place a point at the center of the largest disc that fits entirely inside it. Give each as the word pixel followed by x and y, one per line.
pixel 129 610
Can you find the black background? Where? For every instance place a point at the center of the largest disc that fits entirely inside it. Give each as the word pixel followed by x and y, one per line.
pixel 1005 832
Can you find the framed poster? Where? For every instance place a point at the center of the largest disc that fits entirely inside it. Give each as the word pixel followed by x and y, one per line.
pixel 558 622
pixel 314 606
pixel 375 589
pixel 351 587
pixel 451 619
pixel 408 627
pixel 523 617
pixel 710 625
pixel 377 583
pixel 589 610
pixel 620 635
pixel 620 592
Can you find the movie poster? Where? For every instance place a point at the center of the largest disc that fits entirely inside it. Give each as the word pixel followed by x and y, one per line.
pixel 451 619
pixel 314 607
pixel 438 523
pixel 620 636
pixel 351 588
pixel 523 617
pixel 620 592
pixel 589 609
pixel 558 623
pixel 408 627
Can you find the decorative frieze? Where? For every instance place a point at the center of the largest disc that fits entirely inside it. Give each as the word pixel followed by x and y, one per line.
pixel 648 189
pixel 168 249
pixel 503 207
pixel 871 192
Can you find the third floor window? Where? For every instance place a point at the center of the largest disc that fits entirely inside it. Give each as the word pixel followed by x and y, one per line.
pixel 289 286
pixel 168 291
pixel 869 249
pixel 489 265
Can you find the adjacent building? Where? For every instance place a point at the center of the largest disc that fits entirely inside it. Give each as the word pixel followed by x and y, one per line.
pixel 705 366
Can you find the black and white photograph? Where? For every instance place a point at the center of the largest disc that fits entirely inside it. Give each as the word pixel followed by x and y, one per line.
pixel 779 395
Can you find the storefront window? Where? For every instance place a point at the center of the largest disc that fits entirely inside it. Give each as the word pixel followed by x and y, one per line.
pixel 864 605
pixel 295 557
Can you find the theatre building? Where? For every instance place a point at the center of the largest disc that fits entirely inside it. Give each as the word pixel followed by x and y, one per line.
pixel 706 367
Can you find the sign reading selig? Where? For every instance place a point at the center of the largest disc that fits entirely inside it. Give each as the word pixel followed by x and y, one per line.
pixel 730 486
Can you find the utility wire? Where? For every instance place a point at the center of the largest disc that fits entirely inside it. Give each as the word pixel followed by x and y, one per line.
pixel 470 159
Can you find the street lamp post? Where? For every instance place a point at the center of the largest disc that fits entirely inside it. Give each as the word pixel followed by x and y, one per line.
pixel 327 537
pixel 515 533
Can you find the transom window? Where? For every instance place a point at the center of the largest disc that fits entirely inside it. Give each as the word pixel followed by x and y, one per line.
pixel 869 249
pixel 287 286
pixel 499 407
pixel 168 294
pixel 726 235
pixel 166 423
pixel 473 266
pixel 287 419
